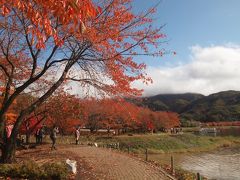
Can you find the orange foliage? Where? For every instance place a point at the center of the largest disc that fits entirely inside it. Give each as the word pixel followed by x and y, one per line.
pixel 112 36
pixel 47 43
pixel 41 13
pixel 64 111
pixel 11 115
pixel 68 111
pixel 157 120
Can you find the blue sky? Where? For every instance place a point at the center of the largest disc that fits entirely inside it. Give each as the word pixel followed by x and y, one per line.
pixel 194 22
pixel 206 36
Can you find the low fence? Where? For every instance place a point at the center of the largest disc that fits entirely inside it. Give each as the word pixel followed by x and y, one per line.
pixel 128 149
pixel 97 132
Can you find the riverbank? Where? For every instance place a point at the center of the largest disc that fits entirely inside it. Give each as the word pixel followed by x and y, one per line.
pixel 166 143
pixel 162 146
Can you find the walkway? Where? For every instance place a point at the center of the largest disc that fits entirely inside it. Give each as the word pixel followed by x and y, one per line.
pixel 108 164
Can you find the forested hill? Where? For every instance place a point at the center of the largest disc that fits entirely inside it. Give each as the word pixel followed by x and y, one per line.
pixel 170 102
pixel 222 106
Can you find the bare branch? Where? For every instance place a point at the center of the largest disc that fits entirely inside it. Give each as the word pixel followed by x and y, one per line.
pixel 5 70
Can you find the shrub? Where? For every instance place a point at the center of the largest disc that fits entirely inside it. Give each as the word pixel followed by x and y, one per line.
pixel 31 170
pixel 4 170
pixel 55 171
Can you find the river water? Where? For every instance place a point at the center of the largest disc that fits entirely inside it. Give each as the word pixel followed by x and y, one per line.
pixel 223 164
pixel 233 131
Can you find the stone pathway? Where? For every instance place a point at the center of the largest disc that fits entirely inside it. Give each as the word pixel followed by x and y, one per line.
pixel 109 164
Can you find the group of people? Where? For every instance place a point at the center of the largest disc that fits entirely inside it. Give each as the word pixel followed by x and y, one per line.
pixel 175 130
pixel 40 133
pixel 55 131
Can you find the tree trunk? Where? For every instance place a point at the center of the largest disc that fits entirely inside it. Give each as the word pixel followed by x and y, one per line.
pixel 2 128
pixel 8 151
pixel 8 147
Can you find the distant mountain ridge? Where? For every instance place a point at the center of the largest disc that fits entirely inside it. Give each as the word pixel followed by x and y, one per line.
pixel 221 106
pixel 171 102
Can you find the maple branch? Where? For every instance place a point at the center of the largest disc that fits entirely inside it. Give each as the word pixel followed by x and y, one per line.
pixel 6 54
pixel 10 75
pixel 93 82
pixel 38 121
pixel 147 54
pixel 37 103
pixel 119 53
pixel 36 124
pixel 5 70
pixel 34 66
pixel 50 57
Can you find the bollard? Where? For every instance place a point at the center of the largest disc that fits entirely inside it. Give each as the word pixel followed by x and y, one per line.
pixel 198 176
pixel 172 165
pixel 146 154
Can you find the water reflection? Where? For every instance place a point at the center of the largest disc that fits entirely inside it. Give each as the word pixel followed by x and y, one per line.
pixel 233 131
pixel 219 131
pixel 221 165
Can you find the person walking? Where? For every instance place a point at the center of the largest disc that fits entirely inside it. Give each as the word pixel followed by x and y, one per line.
pixel 53 137
pixel 41 135
pixel 37 135
pixel 77 135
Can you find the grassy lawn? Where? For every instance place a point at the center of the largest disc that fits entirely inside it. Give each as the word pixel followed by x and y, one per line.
pixel 156 143
pixel 165 143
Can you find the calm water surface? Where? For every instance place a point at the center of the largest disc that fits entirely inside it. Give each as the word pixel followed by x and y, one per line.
pixel 233 131
pixel 222 165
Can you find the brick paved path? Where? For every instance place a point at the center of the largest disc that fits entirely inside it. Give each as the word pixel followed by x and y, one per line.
pixel 108 164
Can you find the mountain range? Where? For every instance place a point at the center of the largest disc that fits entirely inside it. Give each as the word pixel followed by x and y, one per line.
pixel 221 106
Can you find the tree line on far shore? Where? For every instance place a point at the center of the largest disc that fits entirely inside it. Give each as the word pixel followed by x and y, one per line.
pixel 68 111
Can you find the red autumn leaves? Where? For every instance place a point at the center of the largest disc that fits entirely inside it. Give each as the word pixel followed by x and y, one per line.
pixel 42 15
pixel 67 112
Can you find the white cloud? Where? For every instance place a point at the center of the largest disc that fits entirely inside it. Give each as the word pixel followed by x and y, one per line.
pixel 211 69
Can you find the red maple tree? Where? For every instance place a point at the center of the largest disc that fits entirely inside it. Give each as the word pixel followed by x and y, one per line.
pixel 56 42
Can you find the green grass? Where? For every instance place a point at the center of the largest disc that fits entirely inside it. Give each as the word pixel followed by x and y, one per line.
pixel 157 143
pixel 165 143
